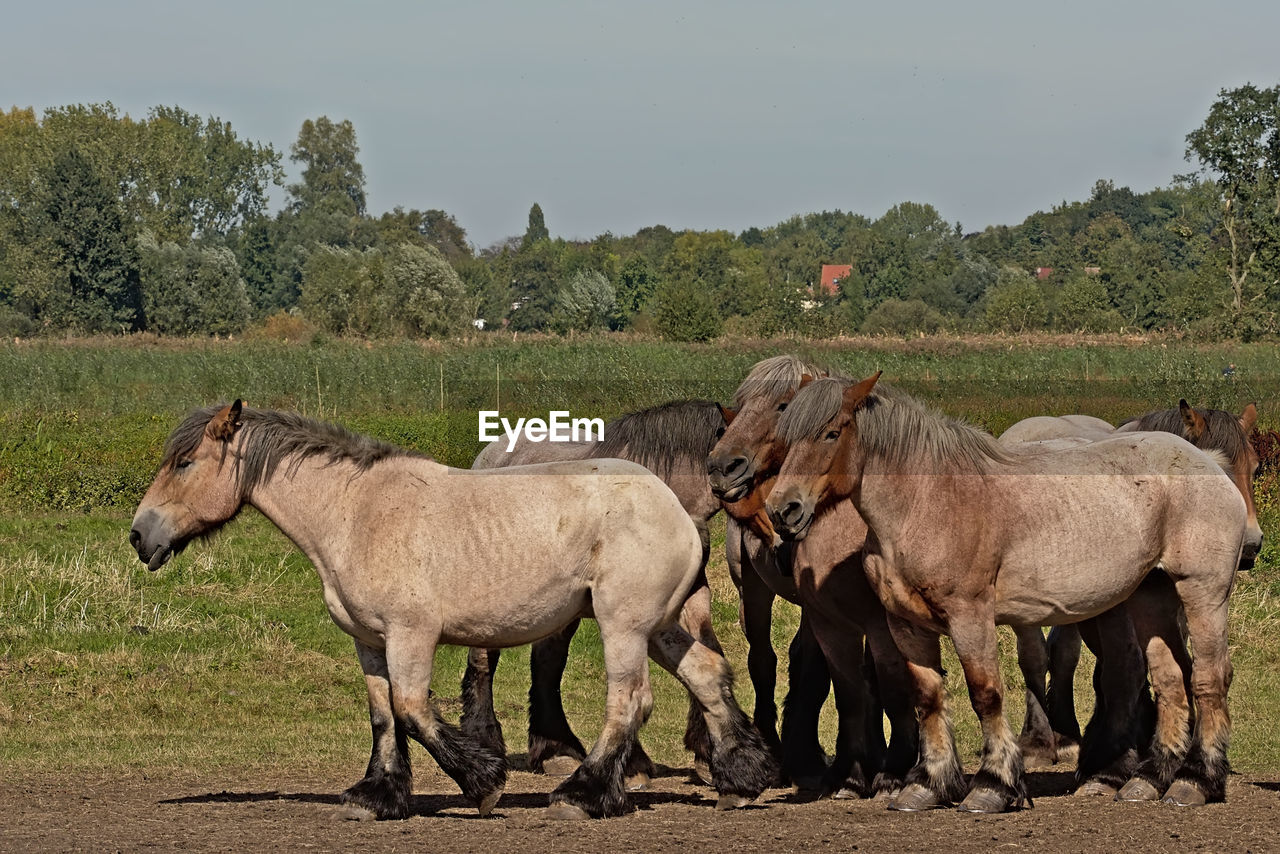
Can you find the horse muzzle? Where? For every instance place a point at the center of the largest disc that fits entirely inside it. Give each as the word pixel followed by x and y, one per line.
pixel 791 516
pixel 730 476
pixel 148 538
pixel 1249 551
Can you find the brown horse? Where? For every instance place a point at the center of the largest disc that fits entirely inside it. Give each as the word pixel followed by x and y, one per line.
pixel 1121 509
pixel 412 554
pixel 672 441
pixel 823 575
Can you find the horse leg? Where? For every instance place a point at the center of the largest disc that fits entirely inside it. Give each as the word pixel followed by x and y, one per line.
pixel 1108 751
pixel 756 616
pixel 479 771
pixel 479 720
pixel 998 786
pixel 384 791
pixel 894 689
pixel 741 765
pixel 1154 611
pixel 596 788
pixel 695 616
pixel 1203 775
pixel 935 780
pixel 1037 743
pixel 551 740
pixel 1064 657
pixel 843 651
pixel 873 721
pixel 808 682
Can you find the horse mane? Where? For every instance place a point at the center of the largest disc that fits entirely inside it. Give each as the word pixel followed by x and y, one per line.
pixel 895 427
pixel 682 431
pixel 1222 431
pixel 774 377
pixel 271 436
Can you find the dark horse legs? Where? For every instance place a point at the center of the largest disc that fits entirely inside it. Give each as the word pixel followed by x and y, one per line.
pixel 550 736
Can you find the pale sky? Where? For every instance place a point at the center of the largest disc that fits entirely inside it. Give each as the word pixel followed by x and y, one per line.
pixel 619 115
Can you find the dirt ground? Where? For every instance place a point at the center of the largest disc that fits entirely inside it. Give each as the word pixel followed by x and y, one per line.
pixel 266 811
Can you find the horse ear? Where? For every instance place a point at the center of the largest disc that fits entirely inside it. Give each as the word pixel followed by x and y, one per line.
pixel 225 423
pixel 727 414
pixel 1192 420
pixel 805 379
pixel 854 395
pixel 1249 419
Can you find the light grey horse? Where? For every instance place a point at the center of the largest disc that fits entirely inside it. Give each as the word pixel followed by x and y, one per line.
pixel 672 441
pixel 412 554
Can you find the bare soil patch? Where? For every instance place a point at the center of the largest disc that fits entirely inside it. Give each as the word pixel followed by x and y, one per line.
pixel 299 811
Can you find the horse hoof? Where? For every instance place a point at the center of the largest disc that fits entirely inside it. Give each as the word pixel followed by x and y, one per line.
pixel 1184 794
pixel 1138 789
pixel 914 798
pixel 732 802
pixel 560 766
pixel 1038 761
pixel 564 811
pixel 1097 788
pixel 807 784
pixel 702 770
pixel 845 793
pixel 352 812
pixel 984 801
pixel 486 804
pixel 637 782
pixel 884 796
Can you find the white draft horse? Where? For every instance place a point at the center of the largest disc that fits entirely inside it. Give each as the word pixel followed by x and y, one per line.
pixel 412 554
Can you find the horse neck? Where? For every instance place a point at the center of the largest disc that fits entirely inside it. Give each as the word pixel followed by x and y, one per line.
pixel 895 501
pixel 692 487
pixel 311 505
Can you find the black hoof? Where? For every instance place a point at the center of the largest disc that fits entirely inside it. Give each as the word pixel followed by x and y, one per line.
pixel 383 796
pixel 741 764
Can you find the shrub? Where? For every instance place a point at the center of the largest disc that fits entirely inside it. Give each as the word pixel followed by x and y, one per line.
pixel 1015 303
pixel 191 289
pixel 685 312
pixel 899 317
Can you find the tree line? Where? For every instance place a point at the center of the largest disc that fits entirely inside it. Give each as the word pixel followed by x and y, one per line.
pixel 110 224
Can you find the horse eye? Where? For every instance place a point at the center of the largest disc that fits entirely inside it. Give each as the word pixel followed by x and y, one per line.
pixel 181 464
pixel 833 435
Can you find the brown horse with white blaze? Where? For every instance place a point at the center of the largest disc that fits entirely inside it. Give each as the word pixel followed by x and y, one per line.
pixel 412 554
pixel 957 543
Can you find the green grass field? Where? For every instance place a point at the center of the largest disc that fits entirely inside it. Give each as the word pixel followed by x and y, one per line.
pixel 226 657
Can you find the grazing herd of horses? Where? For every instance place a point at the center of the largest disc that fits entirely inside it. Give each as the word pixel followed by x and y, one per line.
pixel 887 523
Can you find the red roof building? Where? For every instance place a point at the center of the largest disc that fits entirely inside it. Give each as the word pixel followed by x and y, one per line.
pixel 832 275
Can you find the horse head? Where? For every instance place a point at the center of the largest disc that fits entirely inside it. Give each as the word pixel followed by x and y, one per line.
pixel 750 448
pixel 1214 429
pixel 823 462
pixel 195 490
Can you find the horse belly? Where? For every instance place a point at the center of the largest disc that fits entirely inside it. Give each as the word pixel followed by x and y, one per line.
pixel 499 624
pixel 1065 589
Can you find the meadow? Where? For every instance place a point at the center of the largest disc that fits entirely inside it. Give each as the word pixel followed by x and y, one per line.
pixel 226 657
